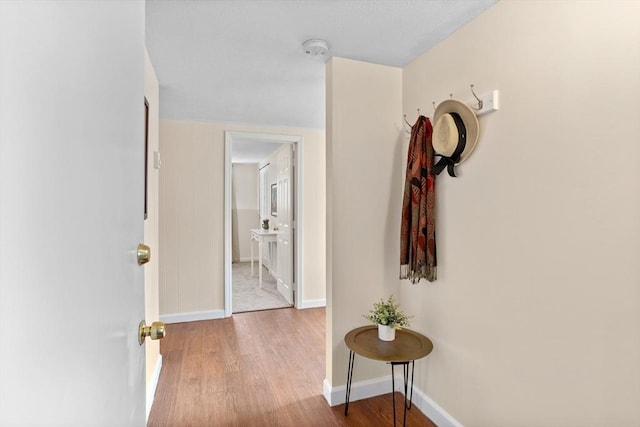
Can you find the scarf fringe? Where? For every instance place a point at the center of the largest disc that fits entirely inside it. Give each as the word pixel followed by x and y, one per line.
pixel 422 272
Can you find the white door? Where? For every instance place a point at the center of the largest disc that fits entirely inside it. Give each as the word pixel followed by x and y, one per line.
pixel 284 220
pixel 71 213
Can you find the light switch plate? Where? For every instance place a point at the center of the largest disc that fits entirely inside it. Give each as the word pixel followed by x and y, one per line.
pixel 156 160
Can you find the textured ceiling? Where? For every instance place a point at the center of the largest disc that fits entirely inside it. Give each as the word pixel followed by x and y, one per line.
pixel 242 60
pixel 250 150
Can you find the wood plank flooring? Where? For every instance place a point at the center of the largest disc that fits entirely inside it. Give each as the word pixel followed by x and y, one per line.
pixel 256 369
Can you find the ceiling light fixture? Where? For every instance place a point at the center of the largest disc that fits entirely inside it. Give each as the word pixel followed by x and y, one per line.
pixel 315 47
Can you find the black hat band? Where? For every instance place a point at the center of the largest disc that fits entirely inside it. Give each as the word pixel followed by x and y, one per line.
pixel 449 162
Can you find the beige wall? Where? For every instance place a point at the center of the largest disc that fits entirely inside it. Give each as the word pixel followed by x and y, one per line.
pixel 364 120
pixel 244 208
pixel 535 315
pixel 192 214
pixel 151 224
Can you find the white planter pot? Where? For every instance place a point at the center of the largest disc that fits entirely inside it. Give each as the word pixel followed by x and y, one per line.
pixel 386 333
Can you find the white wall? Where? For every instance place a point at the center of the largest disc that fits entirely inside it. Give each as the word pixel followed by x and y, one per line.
pixel 244 208
pixel 192 215
pixel 364 122
pixel 536 310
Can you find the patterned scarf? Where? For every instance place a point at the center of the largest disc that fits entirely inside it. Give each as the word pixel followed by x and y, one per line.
pixel 418 232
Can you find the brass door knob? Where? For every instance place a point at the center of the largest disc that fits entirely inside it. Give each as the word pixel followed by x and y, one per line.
pixel 144 254
pixel 156 331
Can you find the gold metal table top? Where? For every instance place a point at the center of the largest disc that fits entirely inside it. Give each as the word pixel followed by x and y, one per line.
pixel 408 345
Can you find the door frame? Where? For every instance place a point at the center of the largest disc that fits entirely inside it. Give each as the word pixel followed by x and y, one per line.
pixel 296 141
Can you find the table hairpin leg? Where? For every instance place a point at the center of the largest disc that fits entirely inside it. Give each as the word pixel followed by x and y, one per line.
pixel 413 369
pixel 393 392
pixel 407 391
pixel 405 371
pixel 352 356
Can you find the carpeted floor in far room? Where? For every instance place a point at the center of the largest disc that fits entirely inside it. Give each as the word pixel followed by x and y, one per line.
pixel 247 295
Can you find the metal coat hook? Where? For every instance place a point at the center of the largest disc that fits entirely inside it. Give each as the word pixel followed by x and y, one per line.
pixel 479 107
pixel 407 122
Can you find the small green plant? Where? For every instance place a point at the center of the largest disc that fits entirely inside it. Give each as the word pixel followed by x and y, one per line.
pixel 388 313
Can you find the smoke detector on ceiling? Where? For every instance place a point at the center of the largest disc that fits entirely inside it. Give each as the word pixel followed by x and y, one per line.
pixel 315 47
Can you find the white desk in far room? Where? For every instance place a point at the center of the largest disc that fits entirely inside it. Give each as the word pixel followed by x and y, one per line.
pixel 261 236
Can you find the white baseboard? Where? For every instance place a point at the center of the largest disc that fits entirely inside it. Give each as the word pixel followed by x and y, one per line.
pixel 313 303
pixel 192 316
pixel 151 388
pixel 359 390
pixel 432 410
pixel 378 386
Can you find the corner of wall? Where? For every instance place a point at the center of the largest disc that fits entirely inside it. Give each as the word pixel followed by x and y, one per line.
pixel 363 211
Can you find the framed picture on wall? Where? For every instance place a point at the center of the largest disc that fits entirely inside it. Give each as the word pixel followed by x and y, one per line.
pixel 146 153
pixel 274 199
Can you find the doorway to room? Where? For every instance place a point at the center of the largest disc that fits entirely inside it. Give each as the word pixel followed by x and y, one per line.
pixel 261 214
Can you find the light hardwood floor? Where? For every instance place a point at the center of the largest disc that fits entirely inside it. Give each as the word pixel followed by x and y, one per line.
pixel 256 369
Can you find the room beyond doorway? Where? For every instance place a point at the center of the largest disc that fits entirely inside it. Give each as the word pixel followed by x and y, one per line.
pixel 248 295
pixel 269 177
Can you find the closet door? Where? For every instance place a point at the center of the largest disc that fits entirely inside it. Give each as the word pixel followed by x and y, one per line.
pixel 284 224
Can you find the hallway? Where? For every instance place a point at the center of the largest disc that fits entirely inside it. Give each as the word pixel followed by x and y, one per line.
pixel 240 371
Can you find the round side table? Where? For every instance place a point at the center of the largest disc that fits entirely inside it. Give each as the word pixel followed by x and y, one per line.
pixel 408 347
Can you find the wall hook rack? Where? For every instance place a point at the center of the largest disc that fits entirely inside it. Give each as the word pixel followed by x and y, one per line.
pixel 484 103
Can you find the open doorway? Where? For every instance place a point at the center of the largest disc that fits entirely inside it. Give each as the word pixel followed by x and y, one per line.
pixel 261 212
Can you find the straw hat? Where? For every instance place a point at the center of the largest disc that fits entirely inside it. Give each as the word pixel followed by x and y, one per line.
pixel 455 124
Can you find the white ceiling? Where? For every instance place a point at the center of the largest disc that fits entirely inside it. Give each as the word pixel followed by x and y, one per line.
pixel 248 150
pixel 242 60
